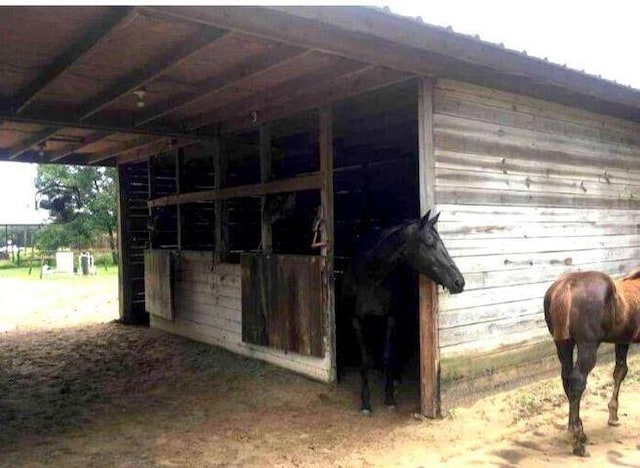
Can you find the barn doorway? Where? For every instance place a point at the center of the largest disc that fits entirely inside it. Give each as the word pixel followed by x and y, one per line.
pixel 376 187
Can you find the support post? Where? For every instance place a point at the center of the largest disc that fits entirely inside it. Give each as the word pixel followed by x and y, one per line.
pixel 428 296
pixel 221 241
pixel 326 199
pixel 266 232
pixel 178 162
pixel 124 270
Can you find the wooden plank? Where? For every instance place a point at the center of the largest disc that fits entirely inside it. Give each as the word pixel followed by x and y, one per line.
pixel 325 122
pixel 124 240
pixel 266 231
pixel 221 217
pixel 159 283
pixel 294 184
pixel 95 35
pixel 312 367
pixel 282 302
pixel 351 84
pixel 224 81
pixel 428 293
pixel 156 68
pixel 178 174
pixel 76 148
pixel 36 139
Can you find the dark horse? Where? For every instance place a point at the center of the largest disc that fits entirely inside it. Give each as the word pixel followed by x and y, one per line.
pixel 415 245
pixel 582 310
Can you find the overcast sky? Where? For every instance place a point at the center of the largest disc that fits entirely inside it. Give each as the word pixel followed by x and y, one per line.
pixel 600 37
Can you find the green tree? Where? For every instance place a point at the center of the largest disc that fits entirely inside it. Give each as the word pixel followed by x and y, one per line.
pixel 87 212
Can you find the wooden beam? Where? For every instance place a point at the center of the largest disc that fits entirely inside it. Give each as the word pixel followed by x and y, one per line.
pixel 326 200
pixel 178 173
pixel 266 231
pixel 62 120
pixel 295 184
pixel 34 140
pixel 351 84
pixel 139 142
pixel 141 150
pixel 264 98
pixel 246 70
pixel 86 141
pixel 94 35
pixel 157 67
pixel 221 228
pixel 428 296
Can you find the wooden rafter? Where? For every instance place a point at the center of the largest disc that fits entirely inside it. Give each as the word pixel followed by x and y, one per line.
pixel 120 148
pixel 63 120
pixel 157 67
pixel 205 88
pixel 263 99
pixel 36 139
pixel 86 141
pixel 96 33
pixel 140 149
pixel 364 80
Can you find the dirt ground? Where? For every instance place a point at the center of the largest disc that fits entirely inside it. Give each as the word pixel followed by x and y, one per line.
pixel 79 390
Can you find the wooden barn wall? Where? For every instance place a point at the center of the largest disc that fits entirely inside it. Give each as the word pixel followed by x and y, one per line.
pixel 208 309
pixel 528 190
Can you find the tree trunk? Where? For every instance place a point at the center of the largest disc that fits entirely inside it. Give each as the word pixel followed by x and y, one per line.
pixel 112 244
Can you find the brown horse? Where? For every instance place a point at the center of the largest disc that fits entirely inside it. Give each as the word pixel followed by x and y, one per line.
pixel 585 309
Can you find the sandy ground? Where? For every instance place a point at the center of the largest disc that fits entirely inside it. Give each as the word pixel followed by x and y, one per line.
pixel 79 390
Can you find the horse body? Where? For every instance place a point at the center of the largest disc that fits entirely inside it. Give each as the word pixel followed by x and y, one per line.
pixel 582 310
pixel 414 245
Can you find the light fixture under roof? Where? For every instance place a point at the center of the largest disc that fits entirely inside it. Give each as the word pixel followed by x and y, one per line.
pixel 140 95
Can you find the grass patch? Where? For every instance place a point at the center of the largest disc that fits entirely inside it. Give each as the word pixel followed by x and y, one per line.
pixel 23 273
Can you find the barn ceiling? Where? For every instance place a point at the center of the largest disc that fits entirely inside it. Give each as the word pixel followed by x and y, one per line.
pixel 100 85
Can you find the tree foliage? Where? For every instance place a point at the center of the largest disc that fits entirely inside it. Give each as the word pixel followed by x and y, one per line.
pixel 82 204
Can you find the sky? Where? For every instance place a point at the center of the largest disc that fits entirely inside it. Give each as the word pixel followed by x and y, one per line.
pixel 599 37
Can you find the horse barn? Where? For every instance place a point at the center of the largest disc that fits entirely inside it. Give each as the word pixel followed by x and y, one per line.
pixel 255 145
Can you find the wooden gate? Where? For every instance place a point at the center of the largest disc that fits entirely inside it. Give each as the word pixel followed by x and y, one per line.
pixel 158 282
pixel 284 302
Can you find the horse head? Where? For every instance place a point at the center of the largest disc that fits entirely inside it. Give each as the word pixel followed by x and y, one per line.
pixel 427 254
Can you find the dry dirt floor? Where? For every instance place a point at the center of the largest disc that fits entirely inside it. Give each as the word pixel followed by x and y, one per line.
pixel 77 389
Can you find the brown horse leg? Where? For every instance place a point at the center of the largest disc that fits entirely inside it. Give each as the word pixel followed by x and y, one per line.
pixel 619 373
pixel 587 354
pixel 565 355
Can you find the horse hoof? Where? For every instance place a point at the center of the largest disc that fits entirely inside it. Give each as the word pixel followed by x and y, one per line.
pixel 365 412
pixel 614 422
pixel 580 451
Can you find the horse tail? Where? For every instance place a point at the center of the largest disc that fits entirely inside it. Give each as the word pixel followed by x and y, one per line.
pixel 557 309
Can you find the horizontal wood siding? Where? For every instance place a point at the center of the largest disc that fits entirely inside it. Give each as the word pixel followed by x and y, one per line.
pixel 208 308
pixel 528 190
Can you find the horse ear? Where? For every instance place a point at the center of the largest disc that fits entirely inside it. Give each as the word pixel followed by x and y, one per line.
pixel 424 221
pixel 434 220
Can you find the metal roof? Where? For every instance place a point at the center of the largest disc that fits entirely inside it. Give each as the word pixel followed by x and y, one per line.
pixel 96 85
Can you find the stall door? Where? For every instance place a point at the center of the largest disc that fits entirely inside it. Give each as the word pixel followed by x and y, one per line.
pixel 158 283
pixel 283 302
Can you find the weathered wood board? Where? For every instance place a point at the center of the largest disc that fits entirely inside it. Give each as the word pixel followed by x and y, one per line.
pixel 283 302
pixel 528 190
pixel 159 282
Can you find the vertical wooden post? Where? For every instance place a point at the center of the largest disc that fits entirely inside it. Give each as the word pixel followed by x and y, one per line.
pixel 429 346
pixel 266 233
pixel 221 241
pixel 124 271
pixel 178 162
pixel 326 199
pixel 150 195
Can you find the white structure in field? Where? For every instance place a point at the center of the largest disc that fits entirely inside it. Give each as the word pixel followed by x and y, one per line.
pixel 64 262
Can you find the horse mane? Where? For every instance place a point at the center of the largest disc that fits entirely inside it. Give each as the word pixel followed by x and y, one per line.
pixel 635 274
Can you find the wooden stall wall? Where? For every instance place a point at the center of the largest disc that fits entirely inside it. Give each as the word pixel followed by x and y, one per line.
pixel 207 292
pixel 528 190
pixel 208 309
